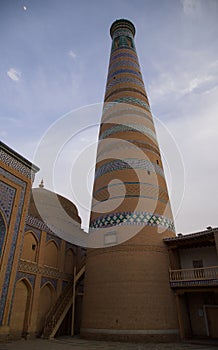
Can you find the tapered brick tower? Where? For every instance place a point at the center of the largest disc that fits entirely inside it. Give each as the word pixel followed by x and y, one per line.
pixel 127 293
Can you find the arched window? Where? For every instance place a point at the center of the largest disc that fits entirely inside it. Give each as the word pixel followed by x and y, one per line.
pixel 30 247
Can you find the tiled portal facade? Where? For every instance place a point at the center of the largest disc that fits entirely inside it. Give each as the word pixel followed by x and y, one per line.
pixel 36 265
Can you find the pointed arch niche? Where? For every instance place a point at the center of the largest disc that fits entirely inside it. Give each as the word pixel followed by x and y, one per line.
pixel 51 254
pixel 19 321
pixel 30 247
pixel 69 261
pixel 46 300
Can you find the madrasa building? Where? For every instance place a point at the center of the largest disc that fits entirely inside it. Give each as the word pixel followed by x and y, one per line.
pixel 137 280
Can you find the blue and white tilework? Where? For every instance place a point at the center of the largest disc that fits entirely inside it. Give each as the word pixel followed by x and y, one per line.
pixel 128 163
pixel 4 291
pixel 45 280
pixel 132 218
pixel 128 128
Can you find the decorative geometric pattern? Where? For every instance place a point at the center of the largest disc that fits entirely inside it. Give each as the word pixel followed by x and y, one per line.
pixel 53 237
pixel 29 277
pixel 33 268
pixel 70 246
pixel 123 54
pixel 36 231
pixel 122 32
pixel 34 222
pixel 45 280
pixel 124 80
pixel 2 233
pixel 22 185
pixel 209 282
pixel 123 63
pixel 133 100
pixel 131 144
pixel 132 218
pixel 128 128
pixel 6 199
pixel 122 41
pixel 133 189
pixel 125 110
pixel 128 163
pixel 124 70
pixel 16 165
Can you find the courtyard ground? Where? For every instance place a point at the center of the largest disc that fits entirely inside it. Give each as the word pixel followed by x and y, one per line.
pixel 68 343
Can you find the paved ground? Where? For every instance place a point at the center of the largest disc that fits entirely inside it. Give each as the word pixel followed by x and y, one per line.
pixel 78 344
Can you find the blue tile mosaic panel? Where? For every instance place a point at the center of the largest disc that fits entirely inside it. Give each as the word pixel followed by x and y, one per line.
pixel 133 218
pixel 45 280
pixel 4 291
pixel 6 199
pixel 2 233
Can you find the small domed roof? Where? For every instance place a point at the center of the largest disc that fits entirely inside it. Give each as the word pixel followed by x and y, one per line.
pixel 42 199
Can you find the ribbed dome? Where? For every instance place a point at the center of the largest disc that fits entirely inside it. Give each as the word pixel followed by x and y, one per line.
pixel 40 198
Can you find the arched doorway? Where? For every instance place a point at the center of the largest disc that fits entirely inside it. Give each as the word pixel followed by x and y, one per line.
pixel 21 308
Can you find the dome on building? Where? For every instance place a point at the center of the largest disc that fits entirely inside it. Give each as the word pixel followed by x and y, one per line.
pixel 42 199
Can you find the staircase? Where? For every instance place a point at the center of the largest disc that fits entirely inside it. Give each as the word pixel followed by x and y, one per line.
pixel 59 310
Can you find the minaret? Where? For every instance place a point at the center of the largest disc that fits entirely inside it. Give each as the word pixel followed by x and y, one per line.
pixel 127 293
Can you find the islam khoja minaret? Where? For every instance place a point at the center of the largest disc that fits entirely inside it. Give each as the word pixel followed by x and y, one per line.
pixel 127 293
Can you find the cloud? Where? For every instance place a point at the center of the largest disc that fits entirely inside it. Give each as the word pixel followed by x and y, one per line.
pixel 177 82
pixel 72 54
pixel 14 74
pixel 191 7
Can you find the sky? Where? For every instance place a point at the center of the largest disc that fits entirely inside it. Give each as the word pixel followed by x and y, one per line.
pixel 54 59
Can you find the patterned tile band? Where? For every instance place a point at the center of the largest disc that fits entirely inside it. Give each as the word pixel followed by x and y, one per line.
pixel 127 196
pixel 128 163
pixel 15 164
pixel 124 80
pixel 128 100
pixel 122 32
pixel 139 184
pixel 120 144
pixel 124 70
pixel 132 190
pixel 122 41
pixel 124 110
pixel 132 218
pixel 128 128
pixel 123 63
pixel 124 54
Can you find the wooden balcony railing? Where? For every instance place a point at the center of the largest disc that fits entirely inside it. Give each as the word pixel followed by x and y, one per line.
pixel 194 277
